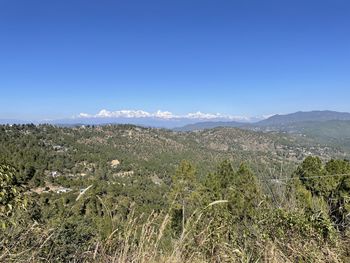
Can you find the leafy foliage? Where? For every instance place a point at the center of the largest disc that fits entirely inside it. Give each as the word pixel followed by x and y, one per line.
pixel 11 197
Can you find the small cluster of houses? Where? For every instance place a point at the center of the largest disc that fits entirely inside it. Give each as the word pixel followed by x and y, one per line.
pixel 62 190
pixel 55 174
pixel 124 174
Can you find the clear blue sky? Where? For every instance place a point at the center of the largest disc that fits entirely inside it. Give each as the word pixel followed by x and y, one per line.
pixel 60 58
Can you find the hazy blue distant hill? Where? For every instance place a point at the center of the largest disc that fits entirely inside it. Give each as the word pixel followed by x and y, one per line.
pixel 13 121
pixel 210 125
pixel 274 123
pixel 300 116
pixel 177 123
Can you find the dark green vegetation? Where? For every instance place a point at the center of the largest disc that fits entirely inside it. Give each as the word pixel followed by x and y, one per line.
pixel 126 194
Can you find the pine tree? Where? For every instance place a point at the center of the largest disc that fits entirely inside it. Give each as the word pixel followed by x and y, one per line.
pixel 183 193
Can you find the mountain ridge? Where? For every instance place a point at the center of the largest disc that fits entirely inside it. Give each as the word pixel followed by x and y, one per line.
pixel 303 116
pixel 276 121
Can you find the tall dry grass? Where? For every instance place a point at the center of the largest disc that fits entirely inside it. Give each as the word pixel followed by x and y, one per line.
pixel 147 239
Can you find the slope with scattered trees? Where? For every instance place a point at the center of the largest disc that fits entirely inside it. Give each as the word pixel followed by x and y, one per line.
pixel 172 208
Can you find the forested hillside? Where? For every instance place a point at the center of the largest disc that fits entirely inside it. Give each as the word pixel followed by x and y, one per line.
pixel 130 194
pixel 89 150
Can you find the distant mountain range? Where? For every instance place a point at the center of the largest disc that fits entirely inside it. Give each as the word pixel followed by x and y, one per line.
pixel 324 127
pixel 171 123
pixel 14 121
pixel 276 122
pixel 301 116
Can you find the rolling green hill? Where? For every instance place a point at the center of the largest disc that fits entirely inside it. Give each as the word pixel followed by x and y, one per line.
pixel 147 150
pixel 333 132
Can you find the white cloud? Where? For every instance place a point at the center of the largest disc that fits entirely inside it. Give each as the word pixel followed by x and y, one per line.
pixel 200 115
pixel 117 114
pixel 165 115
pixel 84 115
